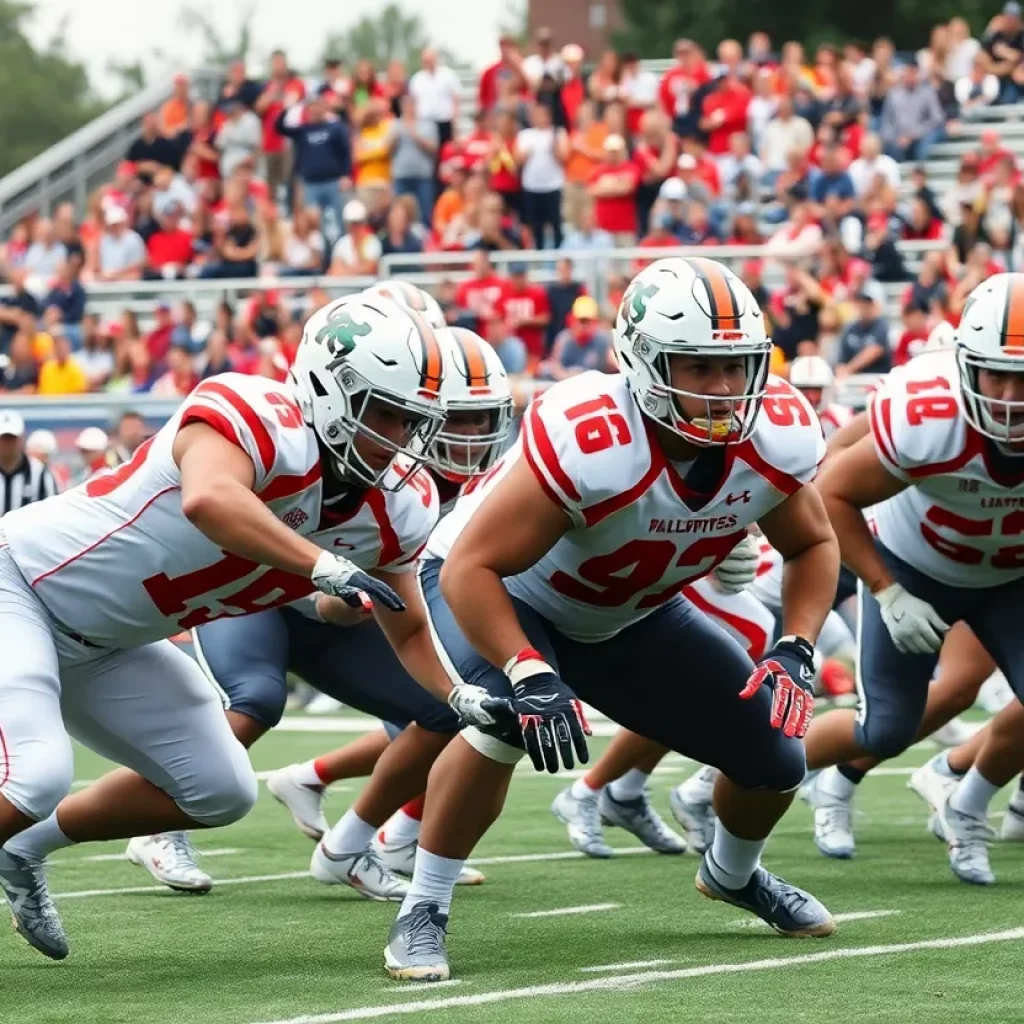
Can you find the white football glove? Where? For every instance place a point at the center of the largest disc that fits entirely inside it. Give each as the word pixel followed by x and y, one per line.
pixel 476 706
pixel 913 624
pixel 339 577
pixel 739 568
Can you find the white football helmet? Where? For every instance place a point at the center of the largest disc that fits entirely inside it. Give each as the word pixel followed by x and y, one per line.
pixel 357 350
pixel 697 307
pixel 812 373
pixel 991 337
pixel 475 381
pixel 941 337
pixel 411 297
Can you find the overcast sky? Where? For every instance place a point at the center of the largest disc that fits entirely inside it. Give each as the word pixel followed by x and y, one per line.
pixel 102 29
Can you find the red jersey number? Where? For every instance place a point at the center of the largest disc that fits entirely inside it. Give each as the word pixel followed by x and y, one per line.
pixel 600 426
pixel 784 407
pixel 1010 556
pixel 288 414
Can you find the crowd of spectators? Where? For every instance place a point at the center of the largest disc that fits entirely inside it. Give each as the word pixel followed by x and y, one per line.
pixel 814 158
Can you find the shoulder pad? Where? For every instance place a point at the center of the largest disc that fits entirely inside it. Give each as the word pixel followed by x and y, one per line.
pixel 788 436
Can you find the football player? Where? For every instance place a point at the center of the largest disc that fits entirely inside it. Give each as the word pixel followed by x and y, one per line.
pixel 944 468
pixel 566 570
pixel 813 378
pixel 209 518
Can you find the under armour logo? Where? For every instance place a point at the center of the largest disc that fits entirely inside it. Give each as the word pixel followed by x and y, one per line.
pixel 339 543
pixel 733 498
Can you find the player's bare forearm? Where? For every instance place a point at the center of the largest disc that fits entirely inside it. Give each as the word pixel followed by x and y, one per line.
pixel 217 479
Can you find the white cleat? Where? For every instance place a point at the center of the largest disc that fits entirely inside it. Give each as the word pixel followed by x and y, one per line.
pixel 171 859
pixel 321 704
pixel 690 804
pixel 401 859
pixel 833 821
pixel 305 802
pixel 968 838
pixel 995 694
pixel 1013 825
pixel 955 732
pixel 933 783
pixel 360 871
pixel 582 820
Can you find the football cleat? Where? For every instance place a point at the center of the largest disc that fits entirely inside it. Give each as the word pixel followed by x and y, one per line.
pixel 1013 825
pixel 833 820
pixel 954 732
pixel 642 820
pixel 583 823
pixel 967 838
pixel 690 804
pixel 35 917
pixel 415 949
pixel 933 783
pixel 360 871
pixel 789 910
pixel 171 859
pixel 305 802
pixel 401 859
pixel 995 694
pixel 322 704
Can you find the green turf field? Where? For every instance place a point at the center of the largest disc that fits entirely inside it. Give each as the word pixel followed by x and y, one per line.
pixel 277 947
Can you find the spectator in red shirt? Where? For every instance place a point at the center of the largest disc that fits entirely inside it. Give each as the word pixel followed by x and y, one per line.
pixel 915 334
pixel 201 134
pixel 180 377
pixel 613 186
pixel 574 90
pixel 992 152
pixel 679 83
pixel 724 112
pixel 704 164
pixel 524 306
pixel 170 249
pixel 922 225
pixel 482 294
pixel 158 341
pixel 283 89
pixel 509 67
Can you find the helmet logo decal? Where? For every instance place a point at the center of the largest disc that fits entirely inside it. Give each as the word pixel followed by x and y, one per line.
pixel 340 332
pixel 634 305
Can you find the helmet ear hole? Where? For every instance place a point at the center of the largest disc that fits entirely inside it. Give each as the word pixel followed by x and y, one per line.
pixel 317 386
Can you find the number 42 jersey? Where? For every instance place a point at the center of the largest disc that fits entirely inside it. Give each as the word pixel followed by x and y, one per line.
pixel 642 528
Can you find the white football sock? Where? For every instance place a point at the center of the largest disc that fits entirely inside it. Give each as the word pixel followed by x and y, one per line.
pixel 433 881
pixel 836 784
pixel 631 786
pixel 38 841
pixel 305 774
pixel 733 860
pixel 582 791
pixel 941 766
pixel 350 835
pixel 401 829
pixel 973 795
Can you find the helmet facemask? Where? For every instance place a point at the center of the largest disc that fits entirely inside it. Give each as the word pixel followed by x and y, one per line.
pixel 463 456
pixel 995 418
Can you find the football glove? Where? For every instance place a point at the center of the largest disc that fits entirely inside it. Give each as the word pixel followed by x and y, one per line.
pixel 339 577
pixel 913 624
pixel 550 716
pixel 476 706
pixel 739 568
pixel 788 668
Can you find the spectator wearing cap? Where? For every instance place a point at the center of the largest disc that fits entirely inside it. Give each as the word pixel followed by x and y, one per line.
pixel 524 306
pixel 912 117
pixel 283 83
pixel 173 118
pixel 673 197
pixel 573 89
pixel 585 344
pixel 864 343
pixel 724 111
pixel 68 295
pixel 508 68
pixel 436 90
pixel 414 146
pixel 613 187
pixel 170 249
pixel 91 446
pixel 586 140
pixel 1003 47
pixel 510 348
pixel 151 150
pixel 680 82
pixel 60 374
pixel 655 154
pixel 323 159
pixel 239 138
pixel 976 90
pixel 358 251
pixel 23 479
pixel 541 152
pixel 122 253
pixel 871 164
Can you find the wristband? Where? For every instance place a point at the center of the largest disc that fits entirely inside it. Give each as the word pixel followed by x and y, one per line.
pixel 528 662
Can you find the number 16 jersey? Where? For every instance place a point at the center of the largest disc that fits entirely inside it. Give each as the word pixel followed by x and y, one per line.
pixel 642 528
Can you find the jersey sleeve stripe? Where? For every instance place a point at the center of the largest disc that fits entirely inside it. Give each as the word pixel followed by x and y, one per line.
pixel 264 442
pixel 751 631
pixel 538 439
pixel 204 414
pixel 289 486
pixel 390 546
pixel 781 481
pixel 880 417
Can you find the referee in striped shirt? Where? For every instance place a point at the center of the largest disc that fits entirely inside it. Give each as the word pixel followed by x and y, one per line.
pixel 23 479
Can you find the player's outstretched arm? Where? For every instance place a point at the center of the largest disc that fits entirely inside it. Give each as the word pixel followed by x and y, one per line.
pixel 855 479
pixel 217 479
pixel 800 531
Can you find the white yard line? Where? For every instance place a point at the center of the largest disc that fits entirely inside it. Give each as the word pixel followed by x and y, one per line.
pixel 621 967
pixel 618 981
pixel 104 857
pixel 589 908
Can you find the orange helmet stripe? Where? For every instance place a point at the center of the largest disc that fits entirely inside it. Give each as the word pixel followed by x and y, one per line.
pixel 724 310
pixel 432 365
pixel 1013 318
pixel 476 367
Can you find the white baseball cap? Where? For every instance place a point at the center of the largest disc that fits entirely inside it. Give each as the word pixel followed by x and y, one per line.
pixel 92 439
pixel 672 189
pixel 115 214
pixel 43 442
pixel 11 423
pixel 354 212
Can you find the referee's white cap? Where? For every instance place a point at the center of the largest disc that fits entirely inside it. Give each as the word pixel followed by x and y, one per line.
pixel 11 423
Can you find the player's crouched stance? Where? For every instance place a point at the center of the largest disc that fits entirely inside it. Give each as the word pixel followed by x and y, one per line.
pixel 207 519
pixel 567 571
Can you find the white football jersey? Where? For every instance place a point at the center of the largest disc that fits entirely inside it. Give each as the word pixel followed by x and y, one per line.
pixel 640 531
pixel 961 519
pixel 834 417
pixel 741 615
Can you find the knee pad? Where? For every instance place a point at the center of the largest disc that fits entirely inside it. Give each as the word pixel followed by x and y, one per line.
pixel 782 771
pixel 492 747
pixel 222 795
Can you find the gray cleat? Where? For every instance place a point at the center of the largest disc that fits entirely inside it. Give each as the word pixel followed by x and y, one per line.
pixel 35 916
pixel 583 822
pixel 415 949
pixel 967 838
pixel 638 817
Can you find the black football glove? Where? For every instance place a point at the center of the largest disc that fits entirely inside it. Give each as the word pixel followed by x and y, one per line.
pixel 788 668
